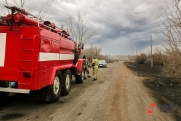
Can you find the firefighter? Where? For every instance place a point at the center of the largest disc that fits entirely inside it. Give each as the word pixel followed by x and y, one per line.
pixel 86 66
pixel 94 67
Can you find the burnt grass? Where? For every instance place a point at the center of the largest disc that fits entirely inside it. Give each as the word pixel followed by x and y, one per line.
pixel 166 89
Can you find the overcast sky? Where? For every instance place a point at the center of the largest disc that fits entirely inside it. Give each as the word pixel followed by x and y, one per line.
pixel 122 25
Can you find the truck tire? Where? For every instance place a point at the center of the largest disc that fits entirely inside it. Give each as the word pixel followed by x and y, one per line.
pixel 50 93
pixel 80 78
pixel 55 89
pixel 66 82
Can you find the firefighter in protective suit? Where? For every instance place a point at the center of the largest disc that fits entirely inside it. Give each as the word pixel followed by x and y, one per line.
pixel 94 67
pixel 86 66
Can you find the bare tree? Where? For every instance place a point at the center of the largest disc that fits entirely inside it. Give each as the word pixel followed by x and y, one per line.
pixel 92 51
pixel 21 3
pixel 4 3
pixel 172 36
pixel 18 3
pixel 78 29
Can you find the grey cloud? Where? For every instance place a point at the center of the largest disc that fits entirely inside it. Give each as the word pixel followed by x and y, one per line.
pixel 121 25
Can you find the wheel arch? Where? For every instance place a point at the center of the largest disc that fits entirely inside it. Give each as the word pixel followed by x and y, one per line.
pixel 58 68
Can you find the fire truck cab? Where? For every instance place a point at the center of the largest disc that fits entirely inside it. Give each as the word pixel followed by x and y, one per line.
pixel 36 57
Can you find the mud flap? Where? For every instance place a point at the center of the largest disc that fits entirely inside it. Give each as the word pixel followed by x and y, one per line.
pixel 42 95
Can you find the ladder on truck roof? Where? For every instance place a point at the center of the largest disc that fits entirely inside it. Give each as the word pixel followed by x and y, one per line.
pixel 39 20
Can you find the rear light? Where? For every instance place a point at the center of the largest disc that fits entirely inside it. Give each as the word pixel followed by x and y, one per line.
pixel 13 84
pixel 27 74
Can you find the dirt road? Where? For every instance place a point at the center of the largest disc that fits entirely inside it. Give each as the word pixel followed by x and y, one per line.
pixel 117 95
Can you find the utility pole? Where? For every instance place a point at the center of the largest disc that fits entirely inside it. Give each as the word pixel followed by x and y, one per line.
pixel 105 56
pixel 136 51
pixel 151 51
pixel 132 56
pixel 108 57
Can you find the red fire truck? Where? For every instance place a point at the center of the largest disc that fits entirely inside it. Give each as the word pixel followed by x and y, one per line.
pixel 36 57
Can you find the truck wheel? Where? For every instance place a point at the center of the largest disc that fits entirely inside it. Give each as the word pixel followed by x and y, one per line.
pixel 66 82
pixel 50 93
pixel 55 89
pixel 80 78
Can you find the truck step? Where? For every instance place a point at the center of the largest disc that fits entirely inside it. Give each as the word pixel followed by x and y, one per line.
pixel 26 49
pixel 25 60
pixel 27 38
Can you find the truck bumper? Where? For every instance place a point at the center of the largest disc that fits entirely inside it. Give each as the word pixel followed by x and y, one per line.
pixel 8 89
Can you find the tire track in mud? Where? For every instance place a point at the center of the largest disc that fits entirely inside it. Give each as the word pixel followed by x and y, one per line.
pixel 86 105
pixel 109 110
